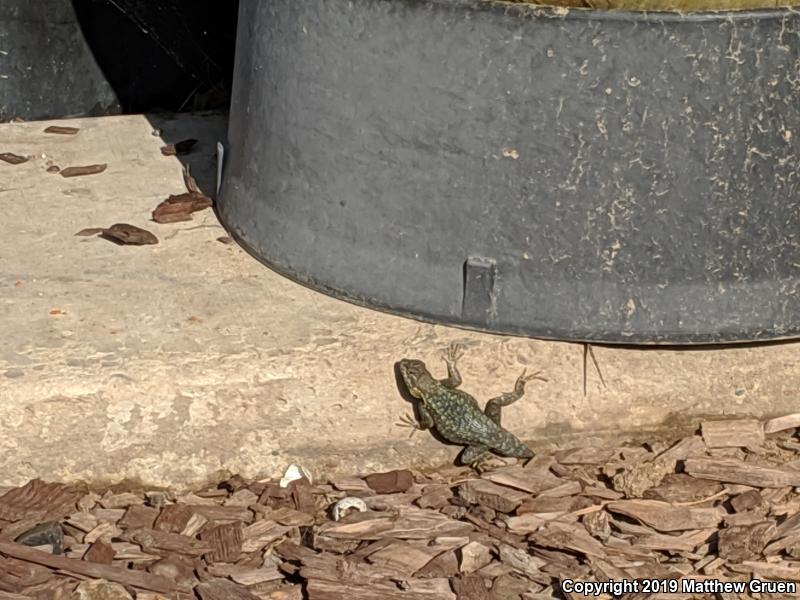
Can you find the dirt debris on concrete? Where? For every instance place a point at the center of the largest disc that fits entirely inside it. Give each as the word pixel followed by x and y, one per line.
pixel 686 517
pixel 122 234
pixel 13 159
pixel 179 207
pixel 83 170
pixel 62 130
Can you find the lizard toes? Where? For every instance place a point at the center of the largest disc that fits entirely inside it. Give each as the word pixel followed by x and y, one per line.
pixel 532 376
pixel 454 352
pixel 408 422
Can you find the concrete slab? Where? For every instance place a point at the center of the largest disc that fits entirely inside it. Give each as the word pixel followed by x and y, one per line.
pixel 169 364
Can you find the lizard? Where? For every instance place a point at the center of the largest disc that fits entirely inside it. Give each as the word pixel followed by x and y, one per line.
pixel 456 415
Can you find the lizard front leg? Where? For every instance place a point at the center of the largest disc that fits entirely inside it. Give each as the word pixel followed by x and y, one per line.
pixel 451 356
pixel 494 405
pixel 425 420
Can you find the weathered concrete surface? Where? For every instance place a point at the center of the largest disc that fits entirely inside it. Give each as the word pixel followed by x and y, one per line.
pixel 167 364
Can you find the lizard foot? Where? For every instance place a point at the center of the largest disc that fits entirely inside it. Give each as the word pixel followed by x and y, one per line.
pixel 490 462
pixel 453 353
pixel 409 421
pixel 524 378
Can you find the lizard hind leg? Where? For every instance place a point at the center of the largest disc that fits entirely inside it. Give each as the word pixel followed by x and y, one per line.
pixel 494 406
pixel 473 454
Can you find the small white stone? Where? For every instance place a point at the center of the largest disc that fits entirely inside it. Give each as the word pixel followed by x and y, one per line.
pixel 343 506
pixel 293 473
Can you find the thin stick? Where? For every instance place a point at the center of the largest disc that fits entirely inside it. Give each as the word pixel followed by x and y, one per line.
pixel 596 366
pixel 585 376
pixel 724 492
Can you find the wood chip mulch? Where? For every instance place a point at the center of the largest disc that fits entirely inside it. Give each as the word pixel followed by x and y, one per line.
pixel 719 506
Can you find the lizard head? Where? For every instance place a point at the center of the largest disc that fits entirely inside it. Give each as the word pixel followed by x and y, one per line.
pixel 415 376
